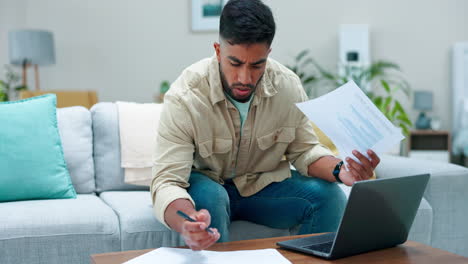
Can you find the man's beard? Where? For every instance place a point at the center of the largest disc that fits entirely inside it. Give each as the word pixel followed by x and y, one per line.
pixel 229 89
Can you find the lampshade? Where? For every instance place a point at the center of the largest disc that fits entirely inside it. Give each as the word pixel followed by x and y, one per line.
pixel 422 100
pixel 32 47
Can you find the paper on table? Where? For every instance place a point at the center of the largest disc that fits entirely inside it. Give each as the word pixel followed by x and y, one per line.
pixel 187 256
pixel 350 119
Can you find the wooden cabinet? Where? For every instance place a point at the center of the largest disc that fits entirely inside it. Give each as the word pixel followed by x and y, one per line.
pixel 430 145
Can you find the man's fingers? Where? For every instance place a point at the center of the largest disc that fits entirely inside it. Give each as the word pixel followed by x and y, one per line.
pixel 375 160
pixel 194 226
pixel 195 242
pixel 365 162
pixel 203 216
pixel 204 241
pixel 210 241
pixel 355 169
pixel 199 236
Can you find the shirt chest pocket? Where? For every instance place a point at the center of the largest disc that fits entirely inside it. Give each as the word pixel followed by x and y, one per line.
pixel 214 146
pixel 279 137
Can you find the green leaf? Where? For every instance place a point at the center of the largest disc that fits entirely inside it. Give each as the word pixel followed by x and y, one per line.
pixel 324 73
pixel 342 80
pixel 404 118
pixel 398 107
pixel 385 86
pixel 387 102
pixel 21 87
pixel 378 68
pixel 164 87
pixel 387 115
pixel 306 62
pixel 393 111
pixel 3 96
pixel 309 80
pixel 378 101
pixel 294 69
pixel 405 129
pixel 301 54
pixel 405 87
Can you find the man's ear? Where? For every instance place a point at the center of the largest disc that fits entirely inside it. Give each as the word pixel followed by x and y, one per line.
pixel 217 48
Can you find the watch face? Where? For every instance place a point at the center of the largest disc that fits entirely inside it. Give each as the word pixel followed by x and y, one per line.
pixel 336 171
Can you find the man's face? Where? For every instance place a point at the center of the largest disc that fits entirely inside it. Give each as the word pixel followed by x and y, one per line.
pixel 241 67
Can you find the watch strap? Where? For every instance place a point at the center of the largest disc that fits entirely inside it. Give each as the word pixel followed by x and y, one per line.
pixel 336 171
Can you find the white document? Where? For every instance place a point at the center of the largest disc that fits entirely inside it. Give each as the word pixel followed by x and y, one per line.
pixel 187 256
pixel 352 121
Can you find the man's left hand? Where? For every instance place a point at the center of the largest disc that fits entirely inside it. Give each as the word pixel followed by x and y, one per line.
pixel 359 172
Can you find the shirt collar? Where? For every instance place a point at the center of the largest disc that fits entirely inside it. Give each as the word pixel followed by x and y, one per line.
pixel 265 87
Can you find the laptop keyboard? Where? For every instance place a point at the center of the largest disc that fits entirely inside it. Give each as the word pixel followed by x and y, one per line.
pixel 324 247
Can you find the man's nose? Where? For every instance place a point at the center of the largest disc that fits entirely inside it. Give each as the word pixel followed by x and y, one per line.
pixel 244 76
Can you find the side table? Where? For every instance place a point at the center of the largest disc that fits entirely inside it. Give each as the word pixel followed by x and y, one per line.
pixel 430 145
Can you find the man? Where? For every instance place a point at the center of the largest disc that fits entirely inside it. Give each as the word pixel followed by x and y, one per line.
pixel 229 131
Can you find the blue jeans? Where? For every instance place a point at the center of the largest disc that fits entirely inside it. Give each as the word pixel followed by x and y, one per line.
pixel 315 204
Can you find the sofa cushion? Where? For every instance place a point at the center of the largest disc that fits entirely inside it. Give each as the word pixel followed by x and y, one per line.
pixel 106 143
pixel 57 231
pixel 77 139
pixel 138 226
pixel 421 229
pixel 31 155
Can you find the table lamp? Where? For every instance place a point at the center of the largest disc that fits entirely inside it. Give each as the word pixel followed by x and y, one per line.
pixel 31 47
pixel 423 102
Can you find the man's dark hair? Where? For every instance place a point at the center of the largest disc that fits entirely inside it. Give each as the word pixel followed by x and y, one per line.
pixel 247 22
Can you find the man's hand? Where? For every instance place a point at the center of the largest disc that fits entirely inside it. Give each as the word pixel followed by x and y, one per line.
pixel 194 233
pixel 359 172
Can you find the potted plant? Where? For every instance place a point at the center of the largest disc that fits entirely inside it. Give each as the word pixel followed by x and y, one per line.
pixel 9 87
pixel 380 81
pixel 303 66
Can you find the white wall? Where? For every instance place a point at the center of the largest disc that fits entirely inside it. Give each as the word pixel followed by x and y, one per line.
pixel 124 49
pixel 12 15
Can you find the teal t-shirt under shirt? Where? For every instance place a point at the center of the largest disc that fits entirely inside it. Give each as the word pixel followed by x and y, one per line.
pixel 243 108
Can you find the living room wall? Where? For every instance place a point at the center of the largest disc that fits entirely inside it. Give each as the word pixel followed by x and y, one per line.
pixel 124 49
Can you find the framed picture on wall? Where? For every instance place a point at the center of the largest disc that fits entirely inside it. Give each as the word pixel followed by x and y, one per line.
pixel 206 13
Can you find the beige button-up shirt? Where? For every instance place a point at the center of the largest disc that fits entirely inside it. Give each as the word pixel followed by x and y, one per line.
pixel 199 130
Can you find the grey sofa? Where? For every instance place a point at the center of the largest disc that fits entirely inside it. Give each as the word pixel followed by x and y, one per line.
pixel 109 215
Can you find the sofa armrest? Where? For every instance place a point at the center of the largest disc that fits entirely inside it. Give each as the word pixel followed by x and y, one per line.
pixel 447 194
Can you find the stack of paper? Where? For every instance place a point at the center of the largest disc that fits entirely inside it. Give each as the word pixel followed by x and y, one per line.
pixel 350 119
pixel 188 256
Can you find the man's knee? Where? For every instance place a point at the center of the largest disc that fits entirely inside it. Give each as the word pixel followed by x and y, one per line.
pixel 329 194
pixel 327 204
pixel 208 194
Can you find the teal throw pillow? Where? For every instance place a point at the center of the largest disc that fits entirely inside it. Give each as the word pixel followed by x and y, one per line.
pixel 32 164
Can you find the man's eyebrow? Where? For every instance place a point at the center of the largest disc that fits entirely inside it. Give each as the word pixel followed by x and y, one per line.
pixel 236 60
pixel 259 61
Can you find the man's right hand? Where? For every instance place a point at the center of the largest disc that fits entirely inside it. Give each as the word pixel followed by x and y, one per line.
pixel 194 233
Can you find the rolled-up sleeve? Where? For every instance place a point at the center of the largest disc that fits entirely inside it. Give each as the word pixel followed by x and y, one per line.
pixel 173 157
pixel 306 148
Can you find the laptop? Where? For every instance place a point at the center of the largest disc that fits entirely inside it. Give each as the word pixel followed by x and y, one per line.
pixel 379 215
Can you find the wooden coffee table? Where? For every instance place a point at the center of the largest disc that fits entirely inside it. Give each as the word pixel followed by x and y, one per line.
pixel 408 253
